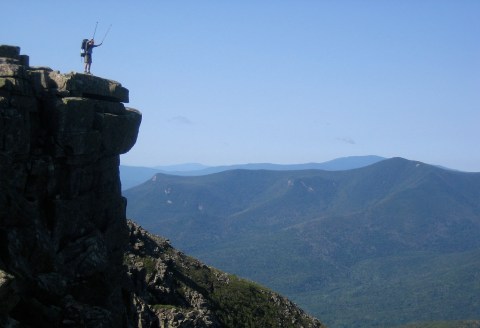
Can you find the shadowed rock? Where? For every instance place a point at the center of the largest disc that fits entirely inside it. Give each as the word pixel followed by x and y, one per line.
pixel 62 217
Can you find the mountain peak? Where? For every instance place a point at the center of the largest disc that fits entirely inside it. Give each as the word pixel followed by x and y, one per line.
pixel 316 235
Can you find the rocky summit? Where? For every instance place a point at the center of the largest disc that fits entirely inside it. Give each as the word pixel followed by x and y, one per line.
pixel 68 258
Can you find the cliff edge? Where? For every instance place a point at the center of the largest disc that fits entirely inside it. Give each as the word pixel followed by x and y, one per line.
pixel 62 216
pixel 68 257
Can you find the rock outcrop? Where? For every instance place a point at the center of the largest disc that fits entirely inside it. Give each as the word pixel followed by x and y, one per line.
pixel 174 290
pixel 68 258
pixel 62 216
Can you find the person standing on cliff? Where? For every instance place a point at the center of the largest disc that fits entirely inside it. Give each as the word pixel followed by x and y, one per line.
pixel 88 54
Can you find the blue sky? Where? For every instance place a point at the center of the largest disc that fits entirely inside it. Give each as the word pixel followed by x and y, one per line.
pixel 230 82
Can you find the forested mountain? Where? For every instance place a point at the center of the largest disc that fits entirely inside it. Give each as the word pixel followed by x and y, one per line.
pixel 134 175
pixel 383 245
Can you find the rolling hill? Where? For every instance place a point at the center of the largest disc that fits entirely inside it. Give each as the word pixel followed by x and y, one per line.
pixel 383 245
pixel 132 176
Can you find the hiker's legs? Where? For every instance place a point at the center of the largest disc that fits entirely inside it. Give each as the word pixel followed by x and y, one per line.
pixel 88 63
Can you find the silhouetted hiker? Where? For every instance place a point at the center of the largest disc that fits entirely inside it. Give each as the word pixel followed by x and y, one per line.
pixel 88 54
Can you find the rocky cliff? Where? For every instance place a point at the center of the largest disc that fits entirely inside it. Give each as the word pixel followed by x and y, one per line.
pixel 62 216
pixel 67 256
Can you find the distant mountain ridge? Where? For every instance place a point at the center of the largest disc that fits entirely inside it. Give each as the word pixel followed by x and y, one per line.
pixel 135 175
pixel 330 238
pixel 185 167
pixel 344 163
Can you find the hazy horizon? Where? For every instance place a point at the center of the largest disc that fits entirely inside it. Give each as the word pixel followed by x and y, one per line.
pixel 276 81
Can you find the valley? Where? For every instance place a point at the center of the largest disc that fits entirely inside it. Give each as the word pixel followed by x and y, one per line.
pixel 382 245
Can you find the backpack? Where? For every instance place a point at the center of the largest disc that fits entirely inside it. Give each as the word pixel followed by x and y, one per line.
pixel 84 47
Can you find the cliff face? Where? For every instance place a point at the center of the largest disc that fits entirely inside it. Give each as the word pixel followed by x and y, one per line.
pixel 68 258
pixel 62 216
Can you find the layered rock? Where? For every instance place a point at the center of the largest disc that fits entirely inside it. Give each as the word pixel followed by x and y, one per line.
pixel 62 216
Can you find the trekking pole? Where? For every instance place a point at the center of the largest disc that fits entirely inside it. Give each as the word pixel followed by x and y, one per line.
pixel 108 30
pixel 95 31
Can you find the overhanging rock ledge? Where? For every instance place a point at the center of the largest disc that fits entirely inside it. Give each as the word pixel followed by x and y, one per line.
pixel 63 228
